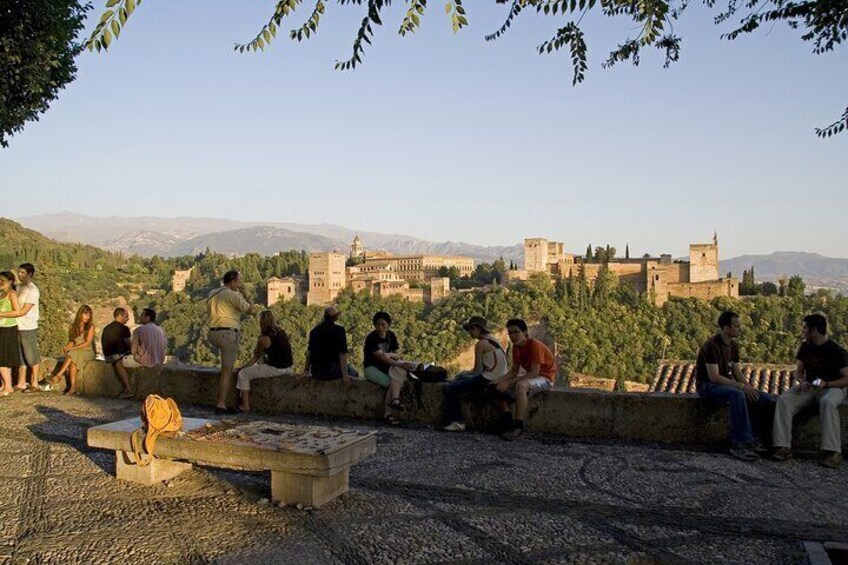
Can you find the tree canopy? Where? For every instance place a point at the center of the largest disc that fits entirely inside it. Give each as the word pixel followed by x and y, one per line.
pixel 38 44
pixel 824 23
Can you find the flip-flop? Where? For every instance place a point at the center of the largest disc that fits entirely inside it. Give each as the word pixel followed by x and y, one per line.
pixel 6 393
pixel 396 404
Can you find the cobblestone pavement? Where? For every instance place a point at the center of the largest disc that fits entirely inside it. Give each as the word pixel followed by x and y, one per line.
pixel 425 497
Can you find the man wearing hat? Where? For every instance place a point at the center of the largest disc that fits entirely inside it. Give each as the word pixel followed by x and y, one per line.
pixel 326 355
pixel 489 366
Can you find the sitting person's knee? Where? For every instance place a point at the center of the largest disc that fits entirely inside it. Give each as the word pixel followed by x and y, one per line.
pixel 522 387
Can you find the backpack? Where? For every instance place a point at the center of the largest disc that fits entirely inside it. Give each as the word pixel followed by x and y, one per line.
pixel 159 416
pixel 426 374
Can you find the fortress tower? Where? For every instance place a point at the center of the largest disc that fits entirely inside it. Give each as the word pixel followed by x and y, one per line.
pixel 703 261
pixel 326 277
pixel 357 250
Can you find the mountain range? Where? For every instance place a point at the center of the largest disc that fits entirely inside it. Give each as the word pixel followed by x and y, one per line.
pixel 170 237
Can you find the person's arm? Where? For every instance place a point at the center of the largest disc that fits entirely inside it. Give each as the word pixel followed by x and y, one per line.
pixel 263 343
pixel 479 350
pixel 842 381
pixel 801 375
pixel 343 362
pixel 16 311
pixel 750 392
pixel 89 337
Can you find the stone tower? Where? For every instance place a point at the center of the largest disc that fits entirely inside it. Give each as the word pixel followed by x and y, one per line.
pixel 535 255
pixel 703 261
pixel 281 289
pixel 357 250
pixel 326 277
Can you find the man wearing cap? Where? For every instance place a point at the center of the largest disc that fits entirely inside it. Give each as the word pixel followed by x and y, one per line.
pixel 489 366
pixel 225 306
pixel 326 355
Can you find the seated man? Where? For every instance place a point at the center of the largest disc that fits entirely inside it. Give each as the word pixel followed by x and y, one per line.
pixel 822 372
pixel 720 381
pixel 326 354
pixel 148 342
pixel 489 366
pixel 116 344
pixel 533 371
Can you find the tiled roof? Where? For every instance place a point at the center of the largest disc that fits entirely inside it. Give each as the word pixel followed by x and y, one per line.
pixel 679 377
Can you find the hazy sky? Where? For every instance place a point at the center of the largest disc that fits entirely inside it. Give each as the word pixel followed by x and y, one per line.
pixel 448 137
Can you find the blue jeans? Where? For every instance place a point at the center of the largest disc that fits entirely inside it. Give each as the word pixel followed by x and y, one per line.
pixel 464 382
pixel 333 373
pixel 744 426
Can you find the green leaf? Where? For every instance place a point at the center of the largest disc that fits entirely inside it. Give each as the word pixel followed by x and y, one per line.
pixel 111 3
pixel 107 38
pixel 106 15
pixel 130 5
pixel 116 28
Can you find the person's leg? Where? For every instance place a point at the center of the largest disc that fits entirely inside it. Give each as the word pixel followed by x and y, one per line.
pixel 123 376
pixel 788 404
pixel 72 379
pixel 227 343
pixel 22 380
pixel 6 375
pixel 454 389
pixel 248 374
pixel 740 424
pixel 829 401
pixel 761 415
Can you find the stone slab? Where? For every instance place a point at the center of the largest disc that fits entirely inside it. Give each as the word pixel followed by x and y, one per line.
pixel 315 451
pixel 157 471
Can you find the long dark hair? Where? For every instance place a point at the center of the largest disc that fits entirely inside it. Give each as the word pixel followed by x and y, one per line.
pixel 77 326
pixel 9 276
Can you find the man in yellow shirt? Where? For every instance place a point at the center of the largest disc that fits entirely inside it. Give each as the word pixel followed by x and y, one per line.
pixel 225 306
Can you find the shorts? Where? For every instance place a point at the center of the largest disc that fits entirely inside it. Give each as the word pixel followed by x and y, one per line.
pixel 227 342
pixel 30 355
pixel 115 357
pixel 382 379
pixel 537 385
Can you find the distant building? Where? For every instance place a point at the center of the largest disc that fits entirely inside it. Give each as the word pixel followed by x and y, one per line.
pixel 326 277
pixel 660 277
pixel 357 250
pixel 180 279
pixel 287 288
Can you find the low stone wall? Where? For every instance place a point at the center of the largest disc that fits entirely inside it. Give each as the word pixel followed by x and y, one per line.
pixel 666 418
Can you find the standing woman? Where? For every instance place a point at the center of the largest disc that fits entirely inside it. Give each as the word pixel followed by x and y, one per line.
pixel 80 347
pixel 10 349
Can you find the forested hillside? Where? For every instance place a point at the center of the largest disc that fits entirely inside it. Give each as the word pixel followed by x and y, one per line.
pixel 608 330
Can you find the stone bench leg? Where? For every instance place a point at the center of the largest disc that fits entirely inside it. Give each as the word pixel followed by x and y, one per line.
pixel 308 490
pixel 159 469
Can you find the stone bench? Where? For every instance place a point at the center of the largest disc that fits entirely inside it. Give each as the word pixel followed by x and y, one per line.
pixel 309 465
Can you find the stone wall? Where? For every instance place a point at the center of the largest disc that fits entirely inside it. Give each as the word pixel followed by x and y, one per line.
pixel 666 418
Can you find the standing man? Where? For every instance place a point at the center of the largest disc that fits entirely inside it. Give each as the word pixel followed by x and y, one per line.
pixel 720 381
pixel 225 306
pixel 148 342
pixel 822 372
pixel 28 298
pixel 326 355
pixel 116 344
pixel 533 371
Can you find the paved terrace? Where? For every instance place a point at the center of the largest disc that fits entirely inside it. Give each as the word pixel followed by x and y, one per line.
pixel 426 497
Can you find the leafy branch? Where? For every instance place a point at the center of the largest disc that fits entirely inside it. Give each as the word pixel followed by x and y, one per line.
pixel 412 19
pixel 111 23
pixel 269 30
pixel 310 26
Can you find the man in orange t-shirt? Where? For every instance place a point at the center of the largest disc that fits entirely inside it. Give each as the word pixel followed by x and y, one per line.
pixel 533 371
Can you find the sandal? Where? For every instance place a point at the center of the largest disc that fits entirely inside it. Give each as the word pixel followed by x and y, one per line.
pixel 390 421
pixel 396 404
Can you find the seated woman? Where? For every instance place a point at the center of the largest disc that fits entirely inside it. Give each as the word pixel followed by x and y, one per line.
pixel 489 366
pixel 10 356
pixel 79 349
pixel 272 357
pixel 383 364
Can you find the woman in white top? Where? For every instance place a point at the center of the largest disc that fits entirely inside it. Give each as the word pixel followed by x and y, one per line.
pixel 489 366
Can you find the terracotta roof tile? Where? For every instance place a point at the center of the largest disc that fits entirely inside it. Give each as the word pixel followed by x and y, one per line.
pixel 678 377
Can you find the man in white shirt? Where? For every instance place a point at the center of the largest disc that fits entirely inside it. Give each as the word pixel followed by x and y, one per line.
pixel 28 298
pixel 148 342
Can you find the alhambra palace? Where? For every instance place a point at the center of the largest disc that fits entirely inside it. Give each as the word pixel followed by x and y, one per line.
pixel 417 277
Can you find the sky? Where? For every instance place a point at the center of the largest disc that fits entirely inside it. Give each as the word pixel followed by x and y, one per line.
pixel 445 136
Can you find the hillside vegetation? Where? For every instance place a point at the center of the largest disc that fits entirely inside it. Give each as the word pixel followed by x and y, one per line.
pixel 608 331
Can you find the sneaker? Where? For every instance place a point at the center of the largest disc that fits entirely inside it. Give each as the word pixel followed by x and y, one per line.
pixel 832 460
pixel 743 453
pixel 758 448
pixel 455 427
pixel 513 434
pixel 781 454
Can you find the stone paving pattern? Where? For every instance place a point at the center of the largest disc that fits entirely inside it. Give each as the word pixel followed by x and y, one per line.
pixel 425 497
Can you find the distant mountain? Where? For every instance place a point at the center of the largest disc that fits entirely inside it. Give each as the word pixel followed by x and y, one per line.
pixel 170 237
pixel 264 240
pixel 816 270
